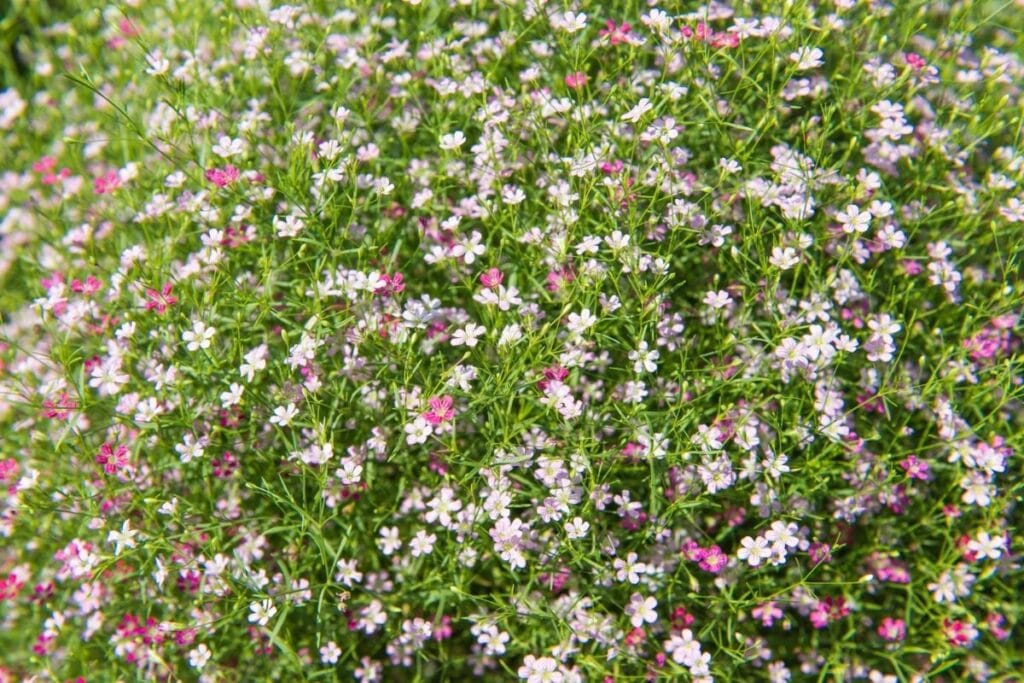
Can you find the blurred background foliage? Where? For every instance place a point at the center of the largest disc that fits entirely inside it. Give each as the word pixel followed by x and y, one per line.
pixel 22 26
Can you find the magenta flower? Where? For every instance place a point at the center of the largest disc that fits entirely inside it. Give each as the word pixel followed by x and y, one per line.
pixel 440 410
pixel 222 176
pixel 714 560
pixel 160 301
pixel 615 33
pixel 112 459
pixel 491 278
pixel 915 468
pixel 892 630
pixel 106 183
pixel 576 80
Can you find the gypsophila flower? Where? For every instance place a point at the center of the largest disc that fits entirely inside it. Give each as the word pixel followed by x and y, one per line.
pixel 417 431
pixel 261 612
pixel 807 58
pixel 641 610
pixel 629 570
pixel 283 415
pixel 330 653
pixel 422 543
pixel 468 335
pixel 199 337
pixel 753 551
pixel 452 141
pixel 199 656
pixel 125 538
pixel 558 341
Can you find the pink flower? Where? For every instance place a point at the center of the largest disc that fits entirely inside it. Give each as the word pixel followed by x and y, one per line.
pixel 576 80
pixel 714 560
pixel 610 167
pixel 106 183
pixel 995 623
pixel 390 284
pixel 443 628
pixel 160 301
pixel 767 613
pixel 555 373
pixel 911 267
pixel 681 618
pixel 827 610
pixel 915 468
pixel 820 552
pixel 892 629
pixel 8 470
pixel 44 165
pixel 440 410
pixel 52 281
pixel 916 61
pixel 61 408
pixel 112 459
pixel 959 633
pixel 559 278
pixel 222 176
pixel 615 34
pixel 90 286
pixel 491 278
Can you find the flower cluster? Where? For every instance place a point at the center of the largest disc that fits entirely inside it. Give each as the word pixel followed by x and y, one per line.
pixel 532 340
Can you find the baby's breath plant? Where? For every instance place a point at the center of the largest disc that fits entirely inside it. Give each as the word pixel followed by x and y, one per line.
pixel 511 339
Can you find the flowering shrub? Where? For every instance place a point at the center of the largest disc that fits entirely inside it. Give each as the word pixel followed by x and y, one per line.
pixel 540 340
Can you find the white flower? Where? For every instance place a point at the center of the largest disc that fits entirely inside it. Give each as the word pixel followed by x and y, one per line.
pixel 227 147
pixel 231 397
pixel 644 358
pixel 784 258
pixel 422 543
pixel 493 640
pixel 683 648
pixel 729 165
pixel 754 550
pixel 629 569
pixel 617 241
pixel 390 541
pixel 853 219
pixel 108 378
pixel 542 670
pixel 190 448
pixel 450 141
pixel 580 322
pixel 125 538
pixel 986 546
pixel 157 64
pixel 807 58
pixel 468 335
pixel 283 415
pixel 417 431
pixel 289 226
pixel 576 528
pixel 199 656
pixel 641 610
pixel 719 299
pixel 330 652
pixel 641 108
pixel 783 534
pixel 261 612
pixel 510 335
pixel 570 22
pixel 348 572
pixel 199 336
pixel 469 248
